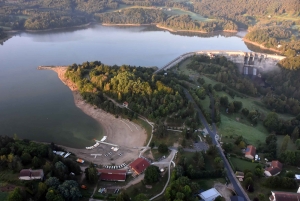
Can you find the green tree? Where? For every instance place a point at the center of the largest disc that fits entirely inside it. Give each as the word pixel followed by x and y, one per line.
pixel 53 195
pixel 298 143
pixel 285 143
pixel 123 197
pixel 231 108
pixel 52 182
pixel 152 174
pixel 15 195
pixel 91 174
pixel 242 144
pixel 140 197
pixel 218 162
pixel 26 158
pixel 42 189
pixel 272 122
pixel 208 139
pixel 152 145
pixel 36 162
pixel 237 105
pixel 162 148
pixel 69 190
pixel 295 134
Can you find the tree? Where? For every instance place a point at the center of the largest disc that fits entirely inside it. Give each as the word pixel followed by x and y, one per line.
pixel 140 197
pixel 272 122
pixel 237 105
pixel 152 174
pixel 208 139
pixel 36 162
pixel 242 144
pixel 162 148
pixel 218 162
pixel 91 174
pixel 69 190
pixel 231 108
pixel 152 145
pixel 227 147
pixel 298 143
pixel 224 101
pixel 285 143
pixel 15 195
pixel 295 134
pixel 26 158
pixel 53 195
pixel 52 182
pixel 123 197
pixel 42 189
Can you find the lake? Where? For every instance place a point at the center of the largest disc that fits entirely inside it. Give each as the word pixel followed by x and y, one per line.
pixel 36 105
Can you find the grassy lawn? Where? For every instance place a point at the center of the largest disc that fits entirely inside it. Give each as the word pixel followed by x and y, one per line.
pixel 146 126
pixel 194 16
pixel 171 138
pixel 242 165
pixel 149 192
pixel 3 196
pixel 252 134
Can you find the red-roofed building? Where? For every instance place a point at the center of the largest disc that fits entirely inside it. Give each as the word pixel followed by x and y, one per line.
pixel 274 169
pixel 112 175
pixel 139 165
pixel 250 152
pixel 284 196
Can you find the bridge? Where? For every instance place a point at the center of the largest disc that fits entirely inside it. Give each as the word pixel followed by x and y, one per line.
pixel 249 63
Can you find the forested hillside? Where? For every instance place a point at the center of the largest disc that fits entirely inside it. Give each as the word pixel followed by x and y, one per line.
pixel 153 96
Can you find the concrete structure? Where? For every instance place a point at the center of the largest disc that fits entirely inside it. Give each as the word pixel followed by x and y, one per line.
pixel 112 175
pixel 297 177
pixel 139 165
pixel 250 152
pixel 284 196
pixel 274 169
pixel 28 174
pixel 209 195
pixel 249 63
pixel 239 175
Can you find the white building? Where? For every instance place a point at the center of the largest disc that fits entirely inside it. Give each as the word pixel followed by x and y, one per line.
pixel 28 174
pixel 210 195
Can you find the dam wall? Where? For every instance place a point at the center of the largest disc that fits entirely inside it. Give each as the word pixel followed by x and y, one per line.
pixel 249 63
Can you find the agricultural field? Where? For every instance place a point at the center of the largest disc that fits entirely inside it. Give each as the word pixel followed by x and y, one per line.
pixel 194 16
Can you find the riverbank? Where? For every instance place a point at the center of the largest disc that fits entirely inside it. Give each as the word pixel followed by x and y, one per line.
pixel 133 25
pixel 260 45
pixel 194 31
pixel 118 131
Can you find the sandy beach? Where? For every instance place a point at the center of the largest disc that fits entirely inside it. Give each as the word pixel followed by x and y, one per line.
pixel 121 132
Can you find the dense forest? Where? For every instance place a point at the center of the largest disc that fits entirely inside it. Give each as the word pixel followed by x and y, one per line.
pixel 57 184
pixel 153 96
pixel 132 16
pixel 2 34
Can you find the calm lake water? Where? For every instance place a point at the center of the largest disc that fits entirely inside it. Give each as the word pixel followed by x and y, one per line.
pixel 36 105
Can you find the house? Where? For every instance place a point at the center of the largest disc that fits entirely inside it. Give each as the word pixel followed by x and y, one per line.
pixel 139 165
pixel 250 152
pixel 239 175
pixel 209 195
pixel 236 198
pixel 125 104
pixel 28 174
pixel 112 175
pixel 284 196
pixel 274 169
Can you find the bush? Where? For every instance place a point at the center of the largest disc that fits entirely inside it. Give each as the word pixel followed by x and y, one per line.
pixel 162 148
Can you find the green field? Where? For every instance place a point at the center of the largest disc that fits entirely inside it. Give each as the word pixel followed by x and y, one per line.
pixel 241 165
pixel 194 16
pixel 232 127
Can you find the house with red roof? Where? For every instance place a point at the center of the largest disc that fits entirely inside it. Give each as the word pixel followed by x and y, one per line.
pixel 284 196
pixel 274 169
pixel 139 165
pixel 250 152
pixel 112 175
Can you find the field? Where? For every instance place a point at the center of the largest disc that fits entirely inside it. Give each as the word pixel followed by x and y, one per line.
pixel 171 138
pixel 241 165
pixel 194 16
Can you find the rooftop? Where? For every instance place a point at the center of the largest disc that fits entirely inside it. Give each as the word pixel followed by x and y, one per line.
pixel 139 165
pixel 209 194
pixel 284 196
pixel 250 150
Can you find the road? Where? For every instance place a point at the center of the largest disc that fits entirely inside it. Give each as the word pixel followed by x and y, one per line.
pixel 230 174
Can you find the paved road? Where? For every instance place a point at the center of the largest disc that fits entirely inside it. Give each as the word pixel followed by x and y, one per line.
pixel 236 184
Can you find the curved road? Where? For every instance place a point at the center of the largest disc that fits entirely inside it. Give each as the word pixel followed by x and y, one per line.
pixel 230 174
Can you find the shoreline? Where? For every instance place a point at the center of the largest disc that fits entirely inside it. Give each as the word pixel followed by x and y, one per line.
pixel 261 46
pixel 77 26
pixel 118 131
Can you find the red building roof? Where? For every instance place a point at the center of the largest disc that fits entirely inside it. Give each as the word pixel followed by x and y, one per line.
pixel 139 165
pixel 112 175
pixel 250 150
pixel 275 167
pixel 284 196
